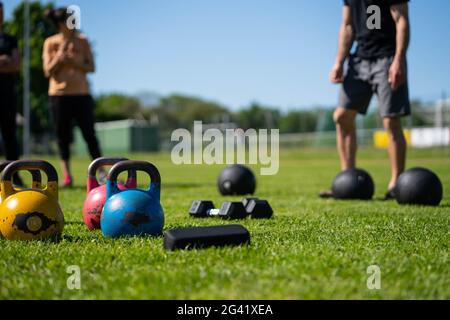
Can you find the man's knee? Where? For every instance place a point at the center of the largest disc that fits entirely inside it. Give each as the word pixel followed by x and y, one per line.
pixel 344 118
pixel 393 125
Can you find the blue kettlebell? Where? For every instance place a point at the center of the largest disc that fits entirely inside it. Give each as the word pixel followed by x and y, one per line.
pixel 132 212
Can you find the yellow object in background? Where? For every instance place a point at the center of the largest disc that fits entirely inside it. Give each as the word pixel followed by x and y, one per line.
pixel 380 138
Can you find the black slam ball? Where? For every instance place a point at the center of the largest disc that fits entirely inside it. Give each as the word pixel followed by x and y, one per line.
pixel 353 184
pixel 419 186
pixel 236 180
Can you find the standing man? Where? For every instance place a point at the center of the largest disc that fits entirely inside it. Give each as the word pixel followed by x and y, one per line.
pixel 9 67
pixel 378 66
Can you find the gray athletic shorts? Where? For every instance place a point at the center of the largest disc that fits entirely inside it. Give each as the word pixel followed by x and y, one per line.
pixel 366 77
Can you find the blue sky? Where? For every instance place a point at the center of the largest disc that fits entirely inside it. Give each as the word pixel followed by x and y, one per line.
pixel 277 52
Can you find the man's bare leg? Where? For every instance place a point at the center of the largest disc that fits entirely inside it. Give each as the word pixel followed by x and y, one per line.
pixel 396 148
pixel 345 140
pixel 346 136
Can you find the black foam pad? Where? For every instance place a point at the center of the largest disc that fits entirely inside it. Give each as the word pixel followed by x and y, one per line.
pixel 203 237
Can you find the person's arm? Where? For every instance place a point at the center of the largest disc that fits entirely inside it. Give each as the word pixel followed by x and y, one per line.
pixel 10 64
pixel 345 43
pixel 53 64
pixel 397 71
pixel 87 65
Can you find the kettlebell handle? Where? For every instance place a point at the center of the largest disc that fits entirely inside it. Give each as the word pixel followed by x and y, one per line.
pixel 7 188
pixel 144 166
pixel 106 161
pixel 35 174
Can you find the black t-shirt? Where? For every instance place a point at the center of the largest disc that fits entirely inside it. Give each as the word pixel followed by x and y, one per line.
pixel 373 43
pixel 7 45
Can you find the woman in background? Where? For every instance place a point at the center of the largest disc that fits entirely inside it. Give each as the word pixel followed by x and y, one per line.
pixel 67 58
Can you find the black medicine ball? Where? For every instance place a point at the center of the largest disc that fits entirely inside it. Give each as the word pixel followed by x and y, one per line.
pixel 236 180
pixel 353 184
pixel 418 186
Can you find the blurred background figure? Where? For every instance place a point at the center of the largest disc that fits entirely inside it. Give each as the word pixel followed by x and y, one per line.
pixel 9 67
pixel 377 67
pixel 67 58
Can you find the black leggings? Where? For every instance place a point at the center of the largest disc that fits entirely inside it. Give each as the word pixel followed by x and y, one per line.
pixel 8 125
pixel 65 110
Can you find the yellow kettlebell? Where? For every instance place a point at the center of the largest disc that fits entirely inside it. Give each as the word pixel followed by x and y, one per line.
pixel 30 214
pixel 36 183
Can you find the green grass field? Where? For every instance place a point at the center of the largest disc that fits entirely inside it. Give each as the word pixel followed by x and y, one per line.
pixel 311 249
